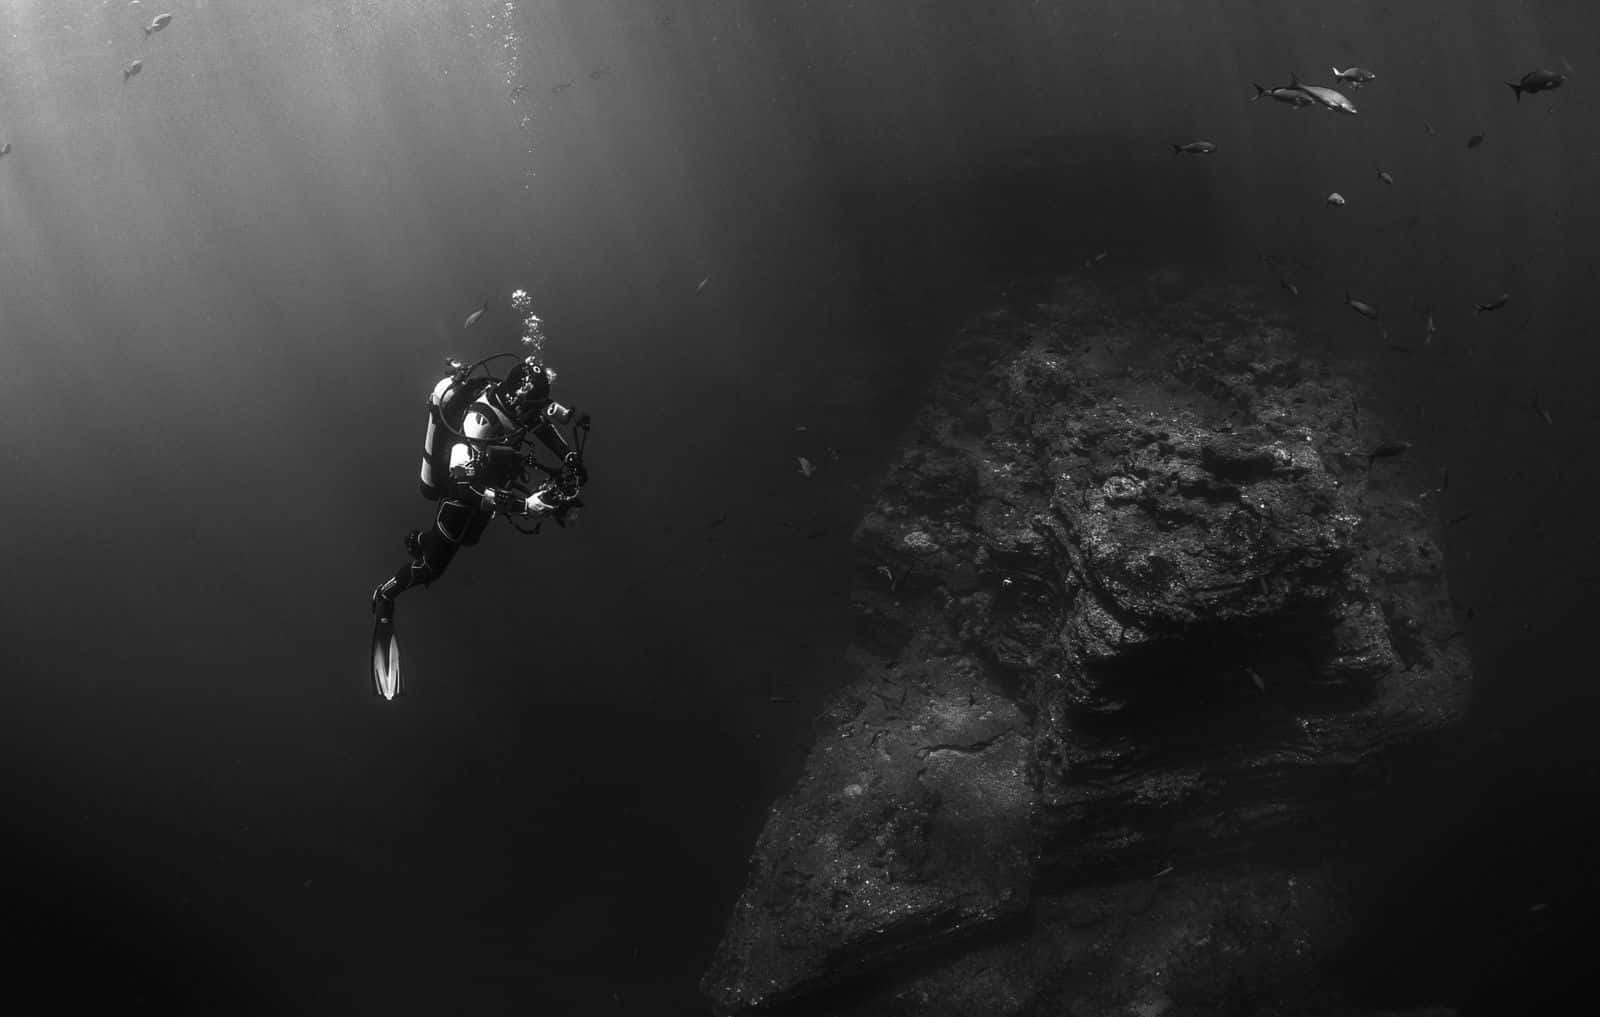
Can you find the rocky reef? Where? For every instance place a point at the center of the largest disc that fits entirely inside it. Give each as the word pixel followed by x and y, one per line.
pixel 1148 611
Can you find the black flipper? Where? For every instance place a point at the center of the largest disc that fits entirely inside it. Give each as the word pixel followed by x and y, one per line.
pixel 385 659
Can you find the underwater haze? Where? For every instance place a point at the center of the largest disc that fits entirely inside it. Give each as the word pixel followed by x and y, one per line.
pixel 230 278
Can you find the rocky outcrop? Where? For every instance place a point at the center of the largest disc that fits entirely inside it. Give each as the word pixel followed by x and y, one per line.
pixel 1142 622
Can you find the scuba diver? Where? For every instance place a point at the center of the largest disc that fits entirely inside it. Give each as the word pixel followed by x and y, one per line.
pixel 474 466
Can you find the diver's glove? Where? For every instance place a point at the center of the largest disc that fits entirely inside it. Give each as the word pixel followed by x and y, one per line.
pixel 575 467
pixel 506 502
pixel 552 501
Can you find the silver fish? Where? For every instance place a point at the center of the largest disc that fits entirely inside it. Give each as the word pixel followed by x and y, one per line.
pixel 1493 305
pixel 1354 76
pixel 806 469
pixel 1361 307
pixel 1194 148
pixel 1335 199
pixel 1384 176
pixel 131 70
pixel 1292 96
pixel 161 21
pixel 5 149
pixel 476 316
pixel 1326 96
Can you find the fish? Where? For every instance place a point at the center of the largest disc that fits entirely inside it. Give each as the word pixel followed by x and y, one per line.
pixel 1463 517
pixel 1475 141
pixel 476 316
pixel 1093 260
pixel 1493 305
pixel 806 469
pixel 1388 450
pixel 599 72
pixel 1334 199
pixel 558 89
pixel 517 92
pixel 702 285
pixel 1429 128
pixel 131 70
pixel 1385 176
pixel 1429 331
pixel 1255 679
pixel 1292 96
pixel 1194 148
pixel 161 21
pixel 1361 307
pixel 5 149
pixel 1354 76
pixel 1333 100
pixel 1536 81
pixel 1538 408
pixel 1293 290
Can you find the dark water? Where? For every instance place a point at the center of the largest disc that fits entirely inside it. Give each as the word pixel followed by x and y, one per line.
pixel 227 285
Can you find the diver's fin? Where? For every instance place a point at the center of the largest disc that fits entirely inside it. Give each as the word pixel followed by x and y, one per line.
pixel 385 659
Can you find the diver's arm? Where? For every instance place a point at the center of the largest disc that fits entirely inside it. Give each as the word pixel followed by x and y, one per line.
pixel 465 465
pixel 551 438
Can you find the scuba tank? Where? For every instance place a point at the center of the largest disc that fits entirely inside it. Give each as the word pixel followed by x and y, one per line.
pixel 447 408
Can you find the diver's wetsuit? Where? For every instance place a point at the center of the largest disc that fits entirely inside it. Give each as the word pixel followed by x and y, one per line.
pixel 477 472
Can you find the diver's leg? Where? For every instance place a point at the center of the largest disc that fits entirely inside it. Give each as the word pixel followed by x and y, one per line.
pixel 432 553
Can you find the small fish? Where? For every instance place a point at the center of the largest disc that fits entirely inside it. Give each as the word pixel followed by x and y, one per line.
pixel 1475 141
pixel 1463 517
pixel 1388 450
pixel 1428 128
pixel 702 285
pixel 1361 307
pixel 1333 100
pixel 1536 81
pixel 1429 331
pixel 1194 148
pixel 161 21
pixel 517 92
pixel 1336 199
pixel 1385 176
pixel 599 72
pixel 1255 679
pixel 558 89
pixel 806 469
pixel 5 149
pixel 1291 96
pixel 476 316
pixel 1354 76
pixel 1538 408
pixel 1293 290
pixel 1397 347
pixel 131 70
pixel 1094 260
pixel 718 521
pixel 1493 305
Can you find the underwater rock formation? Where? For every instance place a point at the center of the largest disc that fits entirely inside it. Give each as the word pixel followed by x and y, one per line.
pixel 1141 627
